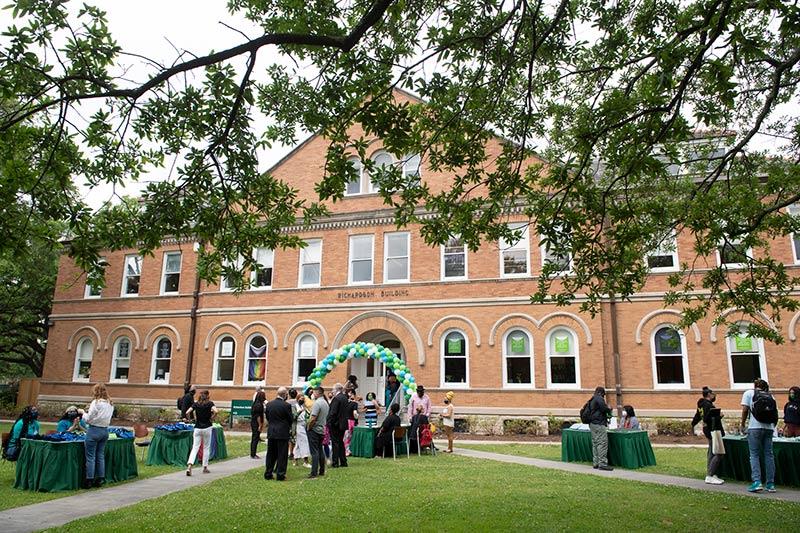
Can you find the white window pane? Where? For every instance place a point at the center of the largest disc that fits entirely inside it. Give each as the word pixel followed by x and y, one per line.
pixel 307 347
pixel 86 351
pixel 411 167
pixel 362 247
pixel 311 274
pixel 312 252
pixel 397 269
pixel 354 187
pixel 173 263
pixel 263 256
pixel 522 242
pixel 133 265
pixel 515 262
pixel 362 270
pixel 226 349
pixel 397 245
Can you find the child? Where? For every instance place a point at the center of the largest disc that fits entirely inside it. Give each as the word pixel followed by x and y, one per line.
pixel 371 410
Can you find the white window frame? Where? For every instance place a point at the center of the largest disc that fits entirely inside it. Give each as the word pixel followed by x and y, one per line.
pixel 217 351
pixel 297 353
pixel 386 257
pixel 794 210
pixel 125 276
pixel 369 185
pixel 442 355
pixel 734 242
pixel 550 354
pixel 762 361
pixel 544 252
pixel 506 356
pixel 350 260
pixel 78 351
pixel 271 266
pixel 309 243
pixel 684 355
pixel 407 160
pixel 246 369
pixel 223 280
pixel 525 241
pixel 661 251
pixel 164 273
pixel 154 359
pixel 442 263
pixel 115 359
pixel 360 167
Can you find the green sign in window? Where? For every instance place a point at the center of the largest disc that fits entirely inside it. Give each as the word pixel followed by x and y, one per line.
pixel 562 344
pixel 454 346
pixel 744 344
pixel 518 344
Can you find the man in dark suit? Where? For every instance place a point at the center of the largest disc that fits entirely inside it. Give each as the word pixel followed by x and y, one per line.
pixel 337 425
pixel 278 413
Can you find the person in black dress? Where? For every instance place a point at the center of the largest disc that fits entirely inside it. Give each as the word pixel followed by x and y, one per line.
pixel 383 440
pixel 278 413
pixel 257 422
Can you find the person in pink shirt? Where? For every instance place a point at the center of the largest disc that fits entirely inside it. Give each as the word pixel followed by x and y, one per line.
pixel 420 399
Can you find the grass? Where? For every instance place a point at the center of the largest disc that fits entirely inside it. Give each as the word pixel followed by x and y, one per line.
pixel 445 493
pixel 684 462
pixel 11 497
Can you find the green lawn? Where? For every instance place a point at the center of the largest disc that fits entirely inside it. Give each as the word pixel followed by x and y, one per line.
pixel 11 497
pixel 443 493
pixel 684 462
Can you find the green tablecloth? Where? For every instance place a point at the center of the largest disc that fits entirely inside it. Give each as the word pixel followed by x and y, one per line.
pixel 628 449
pixel 53 466
pixel 736 462
pixel 173 447
pixel 363 441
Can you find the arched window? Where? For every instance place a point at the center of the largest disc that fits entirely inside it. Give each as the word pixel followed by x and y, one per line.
pixel 305 358
pixel 354 186
pixel 121 362
pixel 83 360
pixel 162 357
pixel 381 160
pixel 517 359
pixel 670 366
pixel 255 369
pixel 455 360
pixel 746 359
pixel 225 360
pixel 563 361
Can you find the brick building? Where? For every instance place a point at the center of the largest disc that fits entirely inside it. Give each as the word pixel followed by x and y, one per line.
pixel 462 321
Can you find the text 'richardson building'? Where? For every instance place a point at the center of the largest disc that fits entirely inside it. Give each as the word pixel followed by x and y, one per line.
pixel 461 320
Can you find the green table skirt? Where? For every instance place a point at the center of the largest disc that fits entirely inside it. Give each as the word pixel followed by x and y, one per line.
pixel 173 447
pixel 736 461
pixel 628 449
pixel 54 466
pixel 363 442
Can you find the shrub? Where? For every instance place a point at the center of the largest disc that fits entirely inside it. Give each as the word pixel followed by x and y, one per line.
pixel 555 424
pixel 461 425
pixel 520 426
pixel 149 414
pixel 673 427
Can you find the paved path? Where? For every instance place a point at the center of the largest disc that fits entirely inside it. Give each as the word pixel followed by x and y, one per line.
pixel 789 495
pixel 58 512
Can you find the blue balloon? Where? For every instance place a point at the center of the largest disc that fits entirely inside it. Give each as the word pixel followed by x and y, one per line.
pixel 411 378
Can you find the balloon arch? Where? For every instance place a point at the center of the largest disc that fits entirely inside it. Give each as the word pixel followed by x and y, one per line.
pixel 370 350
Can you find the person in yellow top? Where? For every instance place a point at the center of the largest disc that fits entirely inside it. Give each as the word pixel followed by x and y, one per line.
pixel 448 419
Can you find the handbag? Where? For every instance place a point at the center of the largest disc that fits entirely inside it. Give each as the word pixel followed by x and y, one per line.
pixel 717 446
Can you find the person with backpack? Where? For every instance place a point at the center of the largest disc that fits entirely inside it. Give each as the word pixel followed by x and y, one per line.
pixel 791 413
pixel 760 406
pixel 186 401
pixel 599 413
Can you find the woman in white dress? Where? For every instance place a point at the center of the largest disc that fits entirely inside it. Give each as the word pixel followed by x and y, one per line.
pixel 301 448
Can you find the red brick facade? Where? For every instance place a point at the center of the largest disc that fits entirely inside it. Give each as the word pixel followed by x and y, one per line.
pixel 417 314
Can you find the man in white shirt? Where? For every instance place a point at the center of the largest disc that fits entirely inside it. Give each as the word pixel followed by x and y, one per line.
pixel 759 439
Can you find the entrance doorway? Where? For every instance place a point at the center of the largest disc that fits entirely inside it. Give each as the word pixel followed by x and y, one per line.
pixel 372 373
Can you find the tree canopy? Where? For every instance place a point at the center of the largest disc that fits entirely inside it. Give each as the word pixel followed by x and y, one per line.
pixel 611 95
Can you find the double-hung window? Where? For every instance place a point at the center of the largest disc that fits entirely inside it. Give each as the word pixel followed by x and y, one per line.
pixel 746 359
pixel 670 365
pixel 794 210
pixel 517 359
pixel 171 278
pixel 131 275
pixel 162 358
pixel 225 360
pixel 665 257
pixel 92 292
pixel 563 364
pixel 305 358
pixel 732 253
pixel 360 259
pixel 261 276
pixel 83 360
pixel 454 259
pixel 121 363
pixel 514 255
pixel 353 187
pixel 397 259
pixel 311 263
pixel 455 360
pixel 558 256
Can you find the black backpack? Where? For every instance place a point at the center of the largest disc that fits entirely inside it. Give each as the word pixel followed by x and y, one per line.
pixel 765 410
pixel 586 412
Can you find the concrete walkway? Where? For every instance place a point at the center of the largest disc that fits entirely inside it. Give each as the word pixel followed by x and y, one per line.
pixel 783 494
pixel 58 512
